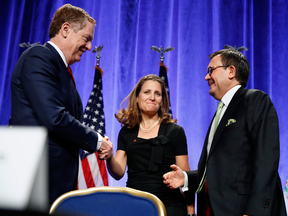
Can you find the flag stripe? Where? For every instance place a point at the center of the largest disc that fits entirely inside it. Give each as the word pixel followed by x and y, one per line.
pixel 286 188
pixel 103 172
pixel 81 182
pixel 87 173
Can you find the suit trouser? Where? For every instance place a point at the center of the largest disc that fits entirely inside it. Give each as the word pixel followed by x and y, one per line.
pixel 208 209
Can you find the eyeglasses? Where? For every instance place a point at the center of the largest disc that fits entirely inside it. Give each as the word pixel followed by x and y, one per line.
pixel 210 69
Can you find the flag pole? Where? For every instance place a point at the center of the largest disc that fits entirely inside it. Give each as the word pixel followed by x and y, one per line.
pixel 163 70
pixel 97 50
pixel 92 171
pixel 162 50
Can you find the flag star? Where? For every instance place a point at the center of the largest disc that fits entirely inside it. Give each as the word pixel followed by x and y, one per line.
pixel 96 112
pixel 100 98
pixel 87 108
pixel 85 116
pixel 167 89
pixel 95 86
pixel 99 80
pixel 86 152
pixel 101 123
pixel 163 78
pixel 83 123
pixel 92 93
pixel 98 105
pixel 94 119
pixel 99 131
pixel 101 91
pixel 102 116
pixel 90 101
pixel 92 127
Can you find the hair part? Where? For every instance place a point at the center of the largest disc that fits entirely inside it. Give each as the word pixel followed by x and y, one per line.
pixel 238 60
pixel 131 116
pixel 76 16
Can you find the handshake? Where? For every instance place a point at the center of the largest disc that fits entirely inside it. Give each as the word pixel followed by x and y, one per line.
pixel 106 149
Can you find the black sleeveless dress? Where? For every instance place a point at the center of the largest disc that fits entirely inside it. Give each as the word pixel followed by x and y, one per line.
pixel 149 159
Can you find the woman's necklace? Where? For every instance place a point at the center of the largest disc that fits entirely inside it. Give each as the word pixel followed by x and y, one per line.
pixel 151 128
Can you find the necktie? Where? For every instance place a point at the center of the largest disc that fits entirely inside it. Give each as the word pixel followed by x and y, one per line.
pixel 70 71
pixel 216 121
pixel 217 116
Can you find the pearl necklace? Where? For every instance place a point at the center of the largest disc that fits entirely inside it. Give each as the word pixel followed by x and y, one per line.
pixel 151 128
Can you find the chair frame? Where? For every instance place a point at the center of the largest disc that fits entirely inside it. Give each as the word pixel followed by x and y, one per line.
pixel 158 203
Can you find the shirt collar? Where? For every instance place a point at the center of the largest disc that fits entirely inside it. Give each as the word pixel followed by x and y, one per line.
pixel 226 99
pixel 60 52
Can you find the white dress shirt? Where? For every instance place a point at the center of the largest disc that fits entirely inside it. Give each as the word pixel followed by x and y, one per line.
pixel 59 51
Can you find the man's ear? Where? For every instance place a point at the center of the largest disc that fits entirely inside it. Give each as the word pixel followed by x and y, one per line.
pixel 232 72
pixel 65 29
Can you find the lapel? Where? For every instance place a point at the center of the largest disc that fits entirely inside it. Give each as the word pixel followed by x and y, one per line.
pixel 59 59
pixel 238 96
pixel 204 150
pixel 71 97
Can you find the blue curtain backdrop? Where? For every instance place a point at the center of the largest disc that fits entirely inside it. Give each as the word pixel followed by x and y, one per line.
pixel 128 28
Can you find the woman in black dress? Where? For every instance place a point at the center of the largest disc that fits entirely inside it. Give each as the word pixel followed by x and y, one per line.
pixel 149 142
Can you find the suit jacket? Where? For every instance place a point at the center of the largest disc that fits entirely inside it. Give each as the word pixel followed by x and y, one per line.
pixel 43 94
pixel 242 165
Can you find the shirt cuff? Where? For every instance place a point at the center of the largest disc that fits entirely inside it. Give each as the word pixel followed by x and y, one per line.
pixel 99 142
pixel 185 186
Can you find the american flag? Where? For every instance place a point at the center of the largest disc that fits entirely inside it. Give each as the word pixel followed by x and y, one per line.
pixel 286 194
pixel 286 189
pixel 92 171
pixel 163 76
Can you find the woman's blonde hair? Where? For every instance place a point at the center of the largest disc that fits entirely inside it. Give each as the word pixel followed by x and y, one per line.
pixel 131 116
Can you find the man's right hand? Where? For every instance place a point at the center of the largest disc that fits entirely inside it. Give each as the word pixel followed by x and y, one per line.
pixel 106 149
pixel 175 178
pixel 106 144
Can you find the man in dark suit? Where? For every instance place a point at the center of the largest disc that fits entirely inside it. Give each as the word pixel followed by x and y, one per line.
pixel 44 94
pixel 239 162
